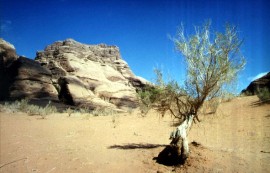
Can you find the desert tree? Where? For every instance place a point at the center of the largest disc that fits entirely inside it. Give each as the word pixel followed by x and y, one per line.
pixel 213 61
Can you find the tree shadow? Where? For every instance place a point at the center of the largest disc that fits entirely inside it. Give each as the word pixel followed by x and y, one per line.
pixel 131 146
pixel 259 103
pixel 169 156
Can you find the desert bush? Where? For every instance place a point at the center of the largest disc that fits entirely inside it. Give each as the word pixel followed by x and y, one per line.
pixel 246 93
pixel 83 110
pixel 210 106
pixel 69 111
pixel 79 112
pixel 17 106
pixel 263 94
pixel 24 106
pixel 213 61
pixel 49 109
pixel 34 110
pixel 148 95
pixel 103 112
pixel 227 97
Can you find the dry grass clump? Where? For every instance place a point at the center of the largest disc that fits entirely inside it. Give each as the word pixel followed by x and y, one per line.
pixel 103 112
pixel 24 106
pixel 31 109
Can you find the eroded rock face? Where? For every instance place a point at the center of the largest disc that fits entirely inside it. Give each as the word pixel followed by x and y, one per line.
pixel 89 76
pixel 22 77
pixel 7 57
pixel 7 54
pixel 256 85
pixel 31 80
pixel 93 75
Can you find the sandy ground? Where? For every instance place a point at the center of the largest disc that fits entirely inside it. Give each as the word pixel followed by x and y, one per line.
pixel 235 139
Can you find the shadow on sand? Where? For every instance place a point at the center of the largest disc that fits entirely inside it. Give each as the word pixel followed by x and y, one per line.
pixel 260 103
pixel 131 146
pixel 168 155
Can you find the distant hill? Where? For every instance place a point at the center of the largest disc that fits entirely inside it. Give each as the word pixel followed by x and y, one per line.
pixel 256 85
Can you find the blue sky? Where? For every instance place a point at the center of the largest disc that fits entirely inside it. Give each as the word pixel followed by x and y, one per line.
pixel 139 28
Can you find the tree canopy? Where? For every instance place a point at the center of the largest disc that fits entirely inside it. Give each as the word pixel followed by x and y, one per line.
pixel 213 60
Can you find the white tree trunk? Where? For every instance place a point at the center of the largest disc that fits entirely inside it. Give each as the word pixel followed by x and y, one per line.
pixel 179 137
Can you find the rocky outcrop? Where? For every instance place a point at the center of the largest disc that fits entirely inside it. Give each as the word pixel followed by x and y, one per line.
pixel 7 57
pixel 31 80
pixel 7 54
pixel 22 77
pixel 257 85
pixel 93 75
pixel 90 76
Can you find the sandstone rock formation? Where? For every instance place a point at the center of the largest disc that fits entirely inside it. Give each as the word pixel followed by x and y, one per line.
pixel 31 80
pixel 90 76
pixel 256 85
pixel 7 54
pixel 22 77
pixel 7 57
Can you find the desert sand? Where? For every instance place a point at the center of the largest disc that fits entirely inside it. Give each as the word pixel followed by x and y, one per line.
pixel 234 139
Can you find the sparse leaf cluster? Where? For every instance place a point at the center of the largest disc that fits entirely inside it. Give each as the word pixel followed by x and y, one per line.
pixel 213 61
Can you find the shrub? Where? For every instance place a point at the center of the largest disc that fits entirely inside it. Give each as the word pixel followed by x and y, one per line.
pixel 69 111
pixel 24 106
pixel 263 94
pixel 227 97
pixel 103 112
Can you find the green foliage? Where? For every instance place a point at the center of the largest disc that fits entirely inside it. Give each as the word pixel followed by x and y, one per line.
pixel 148 95
pixel 263 94
pixel 212 64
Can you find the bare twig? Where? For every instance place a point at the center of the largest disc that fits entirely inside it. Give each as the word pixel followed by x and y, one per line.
pixel 5 164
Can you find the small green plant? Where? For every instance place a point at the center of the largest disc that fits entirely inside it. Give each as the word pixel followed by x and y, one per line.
pixel 34 110
pixel 69 111
pixel 147 96
pixel 263 94
pixel 23 105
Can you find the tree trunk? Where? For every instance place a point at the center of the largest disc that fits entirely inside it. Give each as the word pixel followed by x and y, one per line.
pixel 179 139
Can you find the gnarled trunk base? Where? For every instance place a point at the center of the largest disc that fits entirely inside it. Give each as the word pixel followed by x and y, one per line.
pixel 178 150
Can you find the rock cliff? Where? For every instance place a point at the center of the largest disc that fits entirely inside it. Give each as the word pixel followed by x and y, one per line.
pixel 256 85
pixel 21 77
pixel 91 75
pixel 7 57
pixel 77 74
